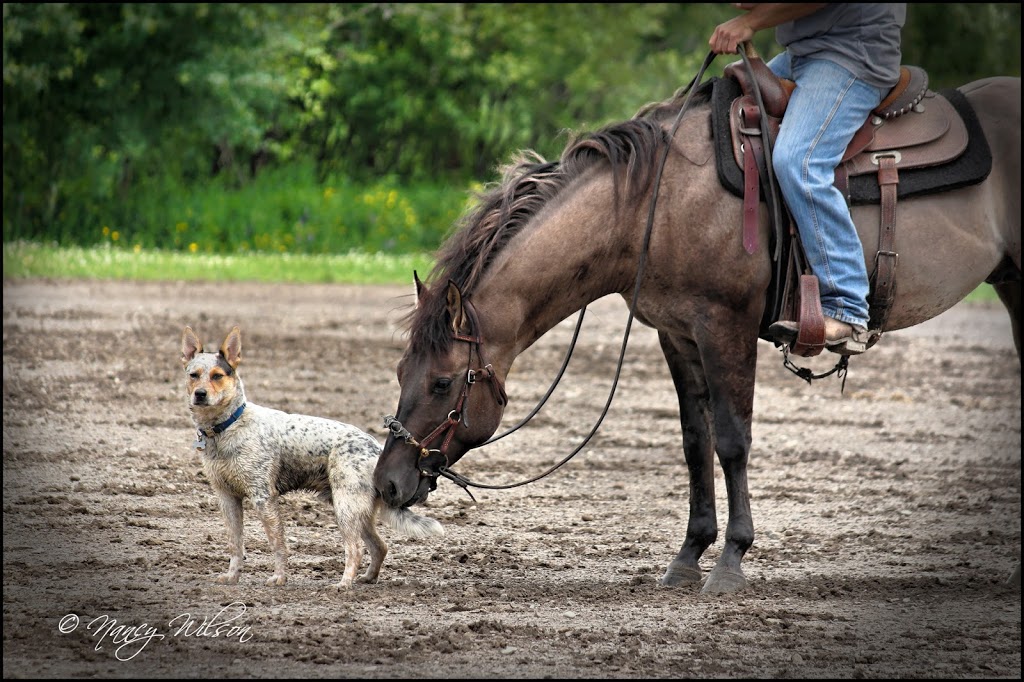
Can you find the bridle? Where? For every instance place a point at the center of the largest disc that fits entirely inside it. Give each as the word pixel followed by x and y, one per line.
pixel 433 462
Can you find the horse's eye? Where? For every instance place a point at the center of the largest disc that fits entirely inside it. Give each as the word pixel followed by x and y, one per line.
pixel 442 385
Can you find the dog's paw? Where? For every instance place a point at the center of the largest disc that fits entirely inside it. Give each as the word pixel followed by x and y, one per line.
pixel 228 579
pixel 277 579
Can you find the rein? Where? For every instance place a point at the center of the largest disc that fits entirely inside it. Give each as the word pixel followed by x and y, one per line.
pixel 396 428
pixel 551 388
pixel 434 462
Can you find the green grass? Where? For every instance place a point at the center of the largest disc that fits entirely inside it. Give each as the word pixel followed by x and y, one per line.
pixel 27 259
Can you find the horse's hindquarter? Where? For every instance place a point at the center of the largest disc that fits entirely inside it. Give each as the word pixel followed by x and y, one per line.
pixel 997 103
pixel 948 243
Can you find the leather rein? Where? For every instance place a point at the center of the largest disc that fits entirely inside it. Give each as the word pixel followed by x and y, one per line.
pixel 434 462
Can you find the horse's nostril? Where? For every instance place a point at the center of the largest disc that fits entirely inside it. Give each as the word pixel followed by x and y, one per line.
pixel 392 493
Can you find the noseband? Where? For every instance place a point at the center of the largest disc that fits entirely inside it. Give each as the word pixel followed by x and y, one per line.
pixel 434 462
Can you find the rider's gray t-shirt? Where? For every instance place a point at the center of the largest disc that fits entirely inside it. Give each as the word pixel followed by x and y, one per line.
pixel 862 37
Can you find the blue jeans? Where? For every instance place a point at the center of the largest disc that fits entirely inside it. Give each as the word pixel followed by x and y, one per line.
pixel 827 107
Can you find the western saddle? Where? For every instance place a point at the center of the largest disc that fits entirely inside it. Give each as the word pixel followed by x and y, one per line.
pixel 911 128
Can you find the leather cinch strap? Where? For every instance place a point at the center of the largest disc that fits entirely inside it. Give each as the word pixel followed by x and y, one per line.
pixel 886 259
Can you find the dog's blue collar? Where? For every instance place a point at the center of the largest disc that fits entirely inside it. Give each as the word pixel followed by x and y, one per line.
pixel 220 428
pixel 201 436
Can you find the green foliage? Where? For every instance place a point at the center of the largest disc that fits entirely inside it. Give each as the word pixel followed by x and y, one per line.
pixel 318 127
pixel 283 210
pixel 101 100
pixel 959 42
pixel 431 90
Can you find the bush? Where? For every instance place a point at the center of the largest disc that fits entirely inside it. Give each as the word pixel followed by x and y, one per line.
pixel 284 210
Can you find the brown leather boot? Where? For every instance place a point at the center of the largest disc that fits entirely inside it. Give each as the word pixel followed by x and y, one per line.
pixel 784 331
pixel 840 337
pixel 845 338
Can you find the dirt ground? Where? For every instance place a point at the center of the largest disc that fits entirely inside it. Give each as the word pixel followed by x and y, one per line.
pixel 887 515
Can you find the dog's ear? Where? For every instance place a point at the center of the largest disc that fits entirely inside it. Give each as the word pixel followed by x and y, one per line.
pixel 231 349
pixel 190 345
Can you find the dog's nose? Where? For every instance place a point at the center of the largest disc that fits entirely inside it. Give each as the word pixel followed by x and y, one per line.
pixel 199 397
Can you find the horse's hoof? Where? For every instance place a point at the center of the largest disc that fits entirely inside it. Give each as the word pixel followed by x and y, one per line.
pixel 724 580
pixel 679 574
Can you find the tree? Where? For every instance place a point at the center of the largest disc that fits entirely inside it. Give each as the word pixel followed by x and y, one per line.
pixel 100 99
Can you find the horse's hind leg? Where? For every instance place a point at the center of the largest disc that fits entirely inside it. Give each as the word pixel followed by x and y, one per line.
pixel 1009 294
pixel 699 449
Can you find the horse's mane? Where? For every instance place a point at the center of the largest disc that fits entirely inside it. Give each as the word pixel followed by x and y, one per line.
pixel 629 150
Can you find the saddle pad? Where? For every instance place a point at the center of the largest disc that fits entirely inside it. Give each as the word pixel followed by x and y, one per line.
pixel 969 168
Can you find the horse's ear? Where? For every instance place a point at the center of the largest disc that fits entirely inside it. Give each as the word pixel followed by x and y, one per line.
pixel 456 310
pixel 420 287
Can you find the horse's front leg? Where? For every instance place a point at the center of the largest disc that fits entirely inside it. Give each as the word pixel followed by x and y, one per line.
pixel 730 370
pixel 699 449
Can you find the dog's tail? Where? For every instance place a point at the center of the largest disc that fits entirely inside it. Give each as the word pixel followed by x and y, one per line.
pixel 410 523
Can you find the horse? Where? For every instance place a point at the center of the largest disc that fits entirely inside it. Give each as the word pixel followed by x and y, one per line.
pixel 550 237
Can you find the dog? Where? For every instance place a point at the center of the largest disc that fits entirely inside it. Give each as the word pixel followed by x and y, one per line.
pixel 255 452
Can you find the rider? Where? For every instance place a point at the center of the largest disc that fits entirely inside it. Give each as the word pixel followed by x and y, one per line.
pixel 844 58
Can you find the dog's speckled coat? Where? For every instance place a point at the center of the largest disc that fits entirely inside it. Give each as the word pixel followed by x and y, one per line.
pixel 264 453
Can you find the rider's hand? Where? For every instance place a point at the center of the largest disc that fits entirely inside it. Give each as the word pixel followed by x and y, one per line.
pixel 728 36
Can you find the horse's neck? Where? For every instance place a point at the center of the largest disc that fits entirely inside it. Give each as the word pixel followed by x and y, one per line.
pixel 572 254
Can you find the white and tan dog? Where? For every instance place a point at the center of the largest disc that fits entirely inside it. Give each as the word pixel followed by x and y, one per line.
pixel 255 452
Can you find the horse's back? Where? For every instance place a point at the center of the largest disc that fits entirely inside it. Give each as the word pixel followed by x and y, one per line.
pixel 998 93
pixel 996 102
